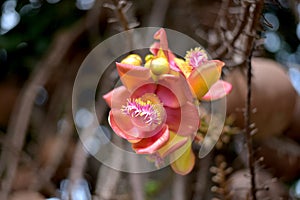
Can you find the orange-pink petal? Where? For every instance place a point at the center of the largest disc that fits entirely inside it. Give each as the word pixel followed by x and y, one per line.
pixel 144 89
pixel 162 37
pixel 167 97
pixel 173 118
pixel 184 120
pixel 132 76
pixel 175 142
pixel 204 76
pixel 163 45
pixel 116 97
pixel 217 91
pixel 173 91
pixel 121 125
pixel 151 144
pixel 127 127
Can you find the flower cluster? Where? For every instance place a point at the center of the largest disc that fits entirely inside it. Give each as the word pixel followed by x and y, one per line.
pixel 156 109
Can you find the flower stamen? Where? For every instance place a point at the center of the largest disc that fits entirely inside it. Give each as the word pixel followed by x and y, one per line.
pixel 146 109
pixel 196 57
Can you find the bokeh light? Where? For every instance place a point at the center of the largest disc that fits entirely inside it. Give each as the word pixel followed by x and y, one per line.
pixel 272 41
pixel 294 74
pixel 84 4
pixel 10 17
pixel 273 20
pixel 83 118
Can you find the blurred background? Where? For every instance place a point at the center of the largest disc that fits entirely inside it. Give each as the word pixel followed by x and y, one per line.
pixel 44 42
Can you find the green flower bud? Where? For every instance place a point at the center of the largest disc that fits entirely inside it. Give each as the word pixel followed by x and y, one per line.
pixel 159 66
pixel 148 57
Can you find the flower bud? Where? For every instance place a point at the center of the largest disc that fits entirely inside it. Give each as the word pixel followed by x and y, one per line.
pixel 159 66
pixel 148 57
pixel 147 64
pixel 132 59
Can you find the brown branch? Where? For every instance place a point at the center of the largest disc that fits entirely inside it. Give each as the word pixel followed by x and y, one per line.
pixel 251 161
pixel 179 187
pixel 202 182
pixel 235 33
pixel 57 153
pixel 137 182
pixel 121 15
pixel 255 23
pixel 106 187
pixel 78 163
pixel 63 135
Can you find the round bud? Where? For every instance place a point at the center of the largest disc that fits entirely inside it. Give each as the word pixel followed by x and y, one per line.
pixel 147 64
pixel 148 57
pixel 159 66
pixel 132 59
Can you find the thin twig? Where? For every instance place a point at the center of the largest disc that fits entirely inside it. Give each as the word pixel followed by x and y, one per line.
pixel 251 161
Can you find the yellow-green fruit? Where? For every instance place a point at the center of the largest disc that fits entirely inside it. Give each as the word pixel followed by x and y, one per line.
pixel 159 66
pixel 132 59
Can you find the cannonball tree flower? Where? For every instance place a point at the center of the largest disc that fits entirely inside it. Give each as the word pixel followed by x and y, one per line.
pixel 149 114
pixel 156 108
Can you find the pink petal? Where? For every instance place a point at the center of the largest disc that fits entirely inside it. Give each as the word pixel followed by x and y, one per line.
pixel 147 88
pixel 167 97
pixel 121 126
pixel 154 48
pixel 152 144
pixel 217 91
pixel 132 76
pixel 172 63
pixel 173 118
pixel 173 91
pixel 163 44
pixel 184 121
pixel 127 127
pixel 162 36
pixel 116 97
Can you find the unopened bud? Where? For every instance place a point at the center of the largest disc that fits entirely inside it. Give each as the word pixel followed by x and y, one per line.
pixel 159 66
pixel 132 59
pixel 148 57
